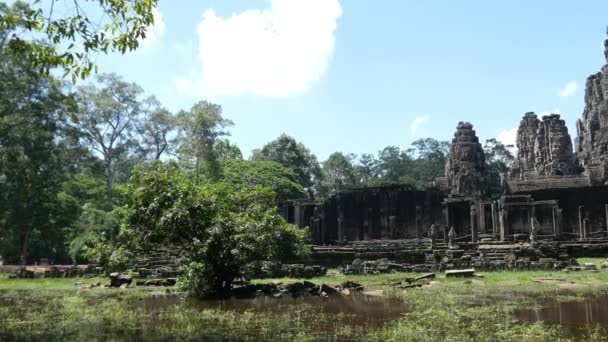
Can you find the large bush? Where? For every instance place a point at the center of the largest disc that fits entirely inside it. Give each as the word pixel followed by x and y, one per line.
pixel 220 227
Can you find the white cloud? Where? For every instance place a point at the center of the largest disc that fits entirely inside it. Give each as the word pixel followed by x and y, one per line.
pixel 276 51
pixel 569 89
pixel 417 122
pixel 508 137
pixel 157 31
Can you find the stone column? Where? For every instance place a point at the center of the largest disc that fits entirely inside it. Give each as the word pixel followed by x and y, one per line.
pixel 340 228
pixel 504 230
pixel 418 222
pixel 559 217
pixel 606 209
pixel 482 218
pixel 554 222
pixel 446 216
pixel 581 235
pixel 494 225
pixel 392 225
pixel 473 223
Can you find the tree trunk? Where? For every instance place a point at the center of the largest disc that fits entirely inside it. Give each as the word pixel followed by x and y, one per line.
pixel 24 232
pixel 109 192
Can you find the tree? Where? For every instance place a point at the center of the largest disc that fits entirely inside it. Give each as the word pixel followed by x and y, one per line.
pixel 107 119
pixel 365 170
pixel 338 173
pixel 200 129
pixel 498 156
pixel 157 130
pixel 250 174
pixel 286 151
pixel 431 156
pixel 32 109
pixel 393 164
pixel 226 151
pixel 220 228
pixel 74 36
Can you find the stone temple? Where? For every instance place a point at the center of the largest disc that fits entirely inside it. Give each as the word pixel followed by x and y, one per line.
pixel 556 187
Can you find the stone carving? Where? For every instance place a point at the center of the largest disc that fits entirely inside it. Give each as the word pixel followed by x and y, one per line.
pixel 525 161
pixel 553 148
pixel 544 148
pixel 466 163
pixel 592 128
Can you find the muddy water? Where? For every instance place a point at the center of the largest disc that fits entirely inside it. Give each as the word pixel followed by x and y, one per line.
pixel 357 309
pixel 577 317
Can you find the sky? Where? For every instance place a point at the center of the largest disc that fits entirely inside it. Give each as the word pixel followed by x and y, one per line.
pixel 357 76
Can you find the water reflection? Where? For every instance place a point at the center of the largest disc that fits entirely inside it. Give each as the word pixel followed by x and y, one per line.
pixel 356 309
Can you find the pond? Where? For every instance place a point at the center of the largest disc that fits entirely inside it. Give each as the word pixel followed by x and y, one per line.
pixel 358 309
pixel 576 315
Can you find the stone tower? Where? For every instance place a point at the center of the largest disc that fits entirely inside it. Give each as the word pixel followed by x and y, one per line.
pixel 592 129
pixel 553 148
pixel 524 163
pixel 544 148
pixel 465 166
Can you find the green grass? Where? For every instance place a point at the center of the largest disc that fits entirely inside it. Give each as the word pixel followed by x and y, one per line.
pixel 447 309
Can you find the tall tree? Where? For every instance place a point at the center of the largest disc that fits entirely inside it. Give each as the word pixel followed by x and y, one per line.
pixel 431 156
pixel 225 150
pixel 200 128
pixel 108 117
pixel 157 130
pixel 286 151
pixel 32 109
pixel 498 156
pixel 268 174
pixel 365 170
pixel 338 173
pixel 394 166
pixel 119 25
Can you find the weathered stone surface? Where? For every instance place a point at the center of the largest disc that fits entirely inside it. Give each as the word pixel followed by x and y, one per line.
pixel 553 148
pixel 466 163
pixel 544 148
pixel 120 280
pixel 592 128
pixel 525 160
pixel 460 273
pixel 271 269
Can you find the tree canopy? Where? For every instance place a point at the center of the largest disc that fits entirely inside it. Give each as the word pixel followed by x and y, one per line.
pixel 220 227
pixel 70 32
pixel 268 174
pixel 286 151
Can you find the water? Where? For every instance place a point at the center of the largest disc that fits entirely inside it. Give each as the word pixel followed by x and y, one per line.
pixel 357 309
pixel 576 317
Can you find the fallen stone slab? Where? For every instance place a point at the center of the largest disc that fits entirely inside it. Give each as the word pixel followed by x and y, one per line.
pixel 460 273
pixel 328 289
pixel 426 276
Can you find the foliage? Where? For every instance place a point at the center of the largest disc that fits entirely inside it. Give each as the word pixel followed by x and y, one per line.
pixel 338 173
pixel 227 151
pixel 268 174
pixel 498 156
pixel 107 119
pixel 90 235
pixel 74 36
pixel 157 130
pixel 286 151
pixel 32 117
pixel 219 227
pixel 418 165
pixel 199 130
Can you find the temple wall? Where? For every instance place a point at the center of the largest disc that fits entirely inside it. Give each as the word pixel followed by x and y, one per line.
pixel 377 214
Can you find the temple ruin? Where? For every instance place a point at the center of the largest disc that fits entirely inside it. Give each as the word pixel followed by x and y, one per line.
pixel 554 193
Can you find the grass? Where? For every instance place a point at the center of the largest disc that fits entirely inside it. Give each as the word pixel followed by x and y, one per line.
pixel 478 309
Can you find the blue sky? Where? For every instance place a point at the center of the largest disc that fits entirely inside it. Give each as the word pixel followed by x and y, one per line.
pixel 356 76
